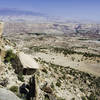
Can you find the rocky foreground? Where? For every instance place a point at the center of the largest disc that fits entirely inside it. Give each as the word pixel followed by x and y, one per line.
pixel 49 82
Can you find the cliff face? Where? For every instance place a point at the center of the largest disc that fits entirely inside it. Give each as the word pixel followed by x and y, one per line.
pixel 1 28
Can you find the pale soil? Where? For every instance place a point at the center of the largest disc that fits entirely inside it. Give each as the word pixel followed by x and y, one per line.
pixel 86 65
pixel 79 44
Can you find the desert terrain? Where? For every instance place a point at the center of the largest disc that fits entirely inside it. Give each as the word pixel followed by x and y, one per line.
pixel 69 62
pixel 82 53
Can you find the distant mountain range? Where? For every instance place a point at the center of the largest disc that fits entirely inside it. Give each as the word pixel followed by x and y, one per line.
pixel 17 12
pixel 13 14
pixel 20 21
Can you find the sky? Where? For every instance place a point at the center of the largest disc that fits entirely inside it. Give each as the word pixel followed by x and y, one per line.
pixel 81 9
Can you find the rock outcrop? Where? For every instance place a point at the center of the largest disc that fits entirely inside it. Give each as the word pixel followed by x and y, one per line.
pixel 1 28
pixel 24 63
pixel 27 61
pixel 7 95
pixel 1 51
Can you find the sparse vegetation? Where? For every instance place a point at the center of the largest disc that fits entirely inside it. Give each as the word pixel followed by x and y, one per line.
pixel 64 77
pixel 14 89
pixel 46 97
pixel 79 76
pixel 92 97
pixel 81 89
pixel 66 51
pixel 9 68
pixel 83 39
pixel 83 98
pixel 4 82
pixel 58 83
pixel 20 77
pixel 9 56
pixel 45 71
pixel 52 85
pixel 61 77
pixel 73 99
pixel 36 48
pixel 90 55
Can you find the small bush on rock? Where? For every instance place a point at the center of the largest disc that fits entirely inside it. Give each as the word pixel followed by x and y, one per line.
pixel 20 77
pixel 14 89
pixel 9 56
pixel 58 83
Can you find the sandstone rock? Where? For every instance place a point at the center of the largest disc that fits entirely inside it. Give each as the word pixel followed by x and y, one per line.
pixel 1 28
pixel 7 95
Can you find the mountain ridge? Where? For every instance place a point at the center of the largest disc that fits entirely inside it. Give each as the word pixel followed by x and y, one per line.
pixel 17 12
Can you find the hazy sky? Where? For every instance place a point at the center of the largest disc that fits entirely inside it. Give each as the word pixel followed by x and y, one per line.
pixel 82 9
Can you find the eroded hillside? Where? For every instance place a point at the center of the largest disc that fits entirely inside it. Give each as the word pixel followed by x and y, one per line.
pixel 68 66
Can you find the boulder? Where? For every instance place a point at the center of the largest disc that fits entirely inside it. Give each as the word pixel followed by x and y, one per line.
pixel 7 95
pixel 29 65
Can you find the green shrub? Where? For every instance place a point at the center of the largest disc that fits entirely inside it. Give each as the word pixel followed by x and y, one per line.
pixel 14 89
pixel 66 51
pixel 52 85
pixel 90 55
pixel 44 70
pixel 73 99
pixel 9 56
pixel 81 89
pixel 58 83
pixel 83 39
pixel 9 68
pixel 46 97
pixel 73 58
pixel 92 97
pixel 83 98
pixel 64 77
pixel 20 77
pixel 36 49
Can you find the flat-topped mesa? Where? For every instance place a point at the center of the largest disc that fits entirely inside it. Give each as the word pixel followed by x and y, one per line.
pixel 1 28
